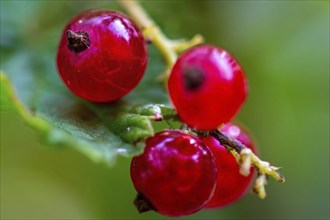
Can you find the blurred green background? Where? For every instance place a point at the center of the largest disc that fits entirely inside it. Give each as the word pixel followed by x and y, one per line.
pixel 283 47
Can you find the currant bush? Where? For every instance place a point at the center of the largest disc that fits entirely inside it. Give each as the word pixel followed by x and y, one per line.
pixel 175 175
pixel 207 87
pixel 231 185
pixel 101 56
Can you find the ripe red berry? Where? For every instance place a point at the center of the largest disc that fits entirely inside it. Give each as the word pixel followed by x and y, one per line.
pixel 175 175
pixel 231 185
pixel 101 56
pixel 207 87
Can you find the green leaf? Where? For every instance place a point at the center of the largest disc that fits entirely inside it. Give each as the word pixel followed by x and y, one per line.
pixel 31 86
pixel 101 131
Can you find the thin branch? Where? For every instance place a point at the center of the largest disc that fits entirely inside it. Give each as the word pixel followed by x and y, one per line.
pixel 228 141
pixel 246 158
pixel 151 32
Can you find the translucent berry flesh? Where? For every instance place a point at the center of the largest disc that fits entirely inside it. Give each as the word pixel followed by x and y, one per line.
pixel 175 175
pixel 207 87
pixel 231 185
pixel 101 56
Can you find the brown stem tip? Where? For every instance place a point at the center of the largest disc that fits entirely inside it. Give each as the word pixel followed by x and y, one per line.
pixel 77 41
pixel 143 204
pixel 227 141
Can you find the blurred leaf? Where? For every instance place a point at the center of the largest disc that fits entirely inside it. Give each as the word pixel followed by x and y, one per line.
pixel 31 86
pixel 101 131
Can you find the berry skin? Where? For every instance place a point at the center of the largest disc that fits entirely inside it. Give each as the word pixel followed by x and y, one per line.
pixel 207 87
pixel 231 185
pixel 175 175
pixel 101 56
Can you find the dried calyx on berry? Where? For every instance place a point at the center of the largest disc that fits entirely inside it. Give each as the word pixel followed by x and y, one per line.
pixel 193 78
pixel 142 204
pixel 77 41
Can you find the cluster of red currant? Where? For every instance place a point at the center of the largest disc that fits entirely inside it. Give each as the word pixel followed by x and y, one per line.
pixel 102 56
pixel 179 174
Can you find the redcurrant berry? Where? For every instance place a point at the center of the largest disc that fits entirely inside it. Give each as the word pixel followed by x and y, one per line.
pixel 175 175
pixel 231 185
pixel 102 55
pixel 207 87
